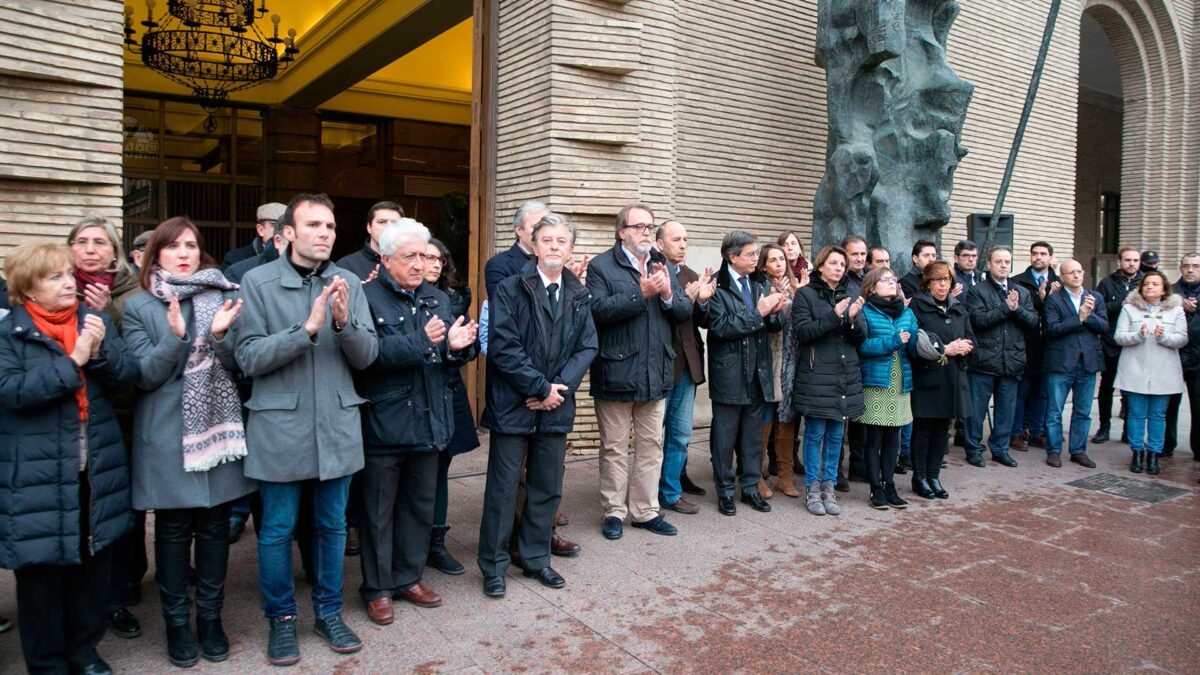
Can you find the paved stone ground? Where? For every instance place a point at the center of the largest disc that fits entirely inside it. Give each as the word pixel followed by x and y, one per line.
pixel 1017 572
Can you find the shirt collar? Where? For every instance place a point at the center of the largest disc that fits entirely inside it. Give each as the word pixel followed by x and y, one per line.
pixel 546 280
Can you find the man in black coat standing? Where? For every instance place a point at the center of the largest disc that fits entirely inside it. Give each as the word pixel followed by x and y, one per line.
pixel 635 302
pixel 740 313
pixel 1188 288
pixel 542 343
pixel 923 253
pixel 1029 424
pixel 1000 313
pixel 1114 289
pixel 366 260
pixel 1075 328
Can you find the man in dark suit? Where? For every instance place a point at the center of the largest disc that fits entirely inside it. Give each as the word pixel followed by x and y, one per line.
pixel 1029 424
pixel 543 340
pixel 504 265
pixel 265 218
pixel 689 371
pixel 1075 328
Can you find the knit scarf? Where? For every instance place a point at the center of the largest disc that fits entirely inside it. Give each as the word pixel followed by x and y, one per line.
pixel 799 266
pixel 892 307
pixel 82 279
pixel 63 328
pixel 212 417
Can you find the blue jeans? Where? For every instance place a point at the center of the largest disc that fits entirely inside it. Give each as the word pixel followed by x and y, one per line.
pixel 817 430
pixel 677 423
pixel 1082 387
pixel 983 387
pixel 1146 420
pixel 905 441
pixel 1030 411
pixel 281 507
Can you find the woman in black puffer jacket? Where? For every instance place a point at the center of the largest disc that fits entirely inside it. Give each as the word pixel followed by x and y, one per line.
pixel 827 385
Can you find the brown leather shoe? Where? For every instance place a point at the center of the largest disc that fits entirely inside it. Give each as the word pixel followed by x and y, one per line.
pixel 682 505
pixel 1018 443
pixel 380 611
pixel 421 596
pixel 561 546
pixel 561 519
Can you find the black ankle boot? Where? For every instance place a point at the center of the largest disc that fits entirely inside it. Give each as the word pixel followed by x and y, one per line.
pixel 935 484
pixel 1136 465
pixel 181 648
pixel 922 489
pixel 214 645
pixel 439 558
pixel 1152 463
pixel 878 501
pixel 893 498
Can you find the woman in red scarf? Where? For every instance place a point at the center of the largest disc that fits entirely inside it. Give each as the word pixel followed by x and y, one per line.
pixel 64 478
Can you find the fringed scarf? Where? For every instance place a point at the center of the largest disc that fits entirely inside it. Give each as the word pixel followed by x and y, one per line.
pixel 212 417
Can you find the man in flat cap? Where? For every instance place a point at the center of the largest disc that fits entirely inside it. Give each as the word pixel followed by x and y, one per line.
pixel 265 219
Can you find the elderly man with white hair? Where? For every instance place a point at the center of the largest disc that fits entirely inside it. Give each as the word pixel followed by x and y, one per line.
pixel 409 419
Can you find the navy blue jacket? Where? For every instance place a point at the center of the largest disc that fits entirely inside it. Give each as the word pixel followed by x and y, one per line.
pixel 519 364
pixel 40 513
pixel 504 265
pixel 1070 342
pixel 236 271
pixel 410 401
pixel 251 250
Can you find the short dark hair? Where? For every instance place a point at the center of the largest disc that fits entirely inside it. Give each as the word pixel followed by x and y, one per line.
pixel 1166 283
pixel 384 206
pixel 623 214
pixel 965 245
pixel 871 253
pixel 1042 244
pixel 996 249
pixel 850 239
pixel 658 234
pixel 734 242
pixel 303 198
pixel 921 245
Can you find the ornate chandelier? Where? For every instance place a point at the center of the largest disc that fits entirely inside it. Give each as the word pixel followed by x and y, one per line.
pixel 212 47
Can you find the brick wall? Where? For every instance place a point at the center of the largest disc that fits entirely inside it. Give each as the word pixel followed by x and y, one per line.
pixel 1097 170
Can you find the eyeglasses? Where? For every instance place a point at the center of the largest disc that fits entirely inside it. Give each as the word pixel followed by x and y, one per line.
pixel 642 227
pixel 940 279
pixel 98 242
pixel 887 280
pixel 432 258
pixel 749 255
pixel 409 257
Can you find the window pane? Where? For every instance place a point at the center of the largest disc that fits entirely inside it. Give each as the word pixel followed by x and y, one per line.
pixel 141 198
pixel 250 143
pixel 189 145
pixel 249 197
pixel 141 134
pixel 199 201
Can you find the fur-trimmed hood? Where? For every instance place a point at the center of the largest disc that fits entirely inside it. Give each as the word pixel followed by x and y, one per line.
pixel 1135 298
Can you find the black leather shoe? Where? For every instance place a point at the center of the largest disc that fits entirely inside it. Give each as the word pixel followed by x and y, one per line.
pixel 689 487
pixel 922 489
pixel 97 667
pixel 214 644
pixel 439 557
pixel 236 527
pixel 976 460
pixel 124 624
pixel 756 502
pixel 612 528
pixel 658 525
pixel 283 649
pixel 493 587
pixel 1152 463
pixel 1101 435
pixel 546 577
pixel 181 648
pixel 1136 465
pixel 1005 460
pixel 339 636
pixel 935 484
pixel 726 507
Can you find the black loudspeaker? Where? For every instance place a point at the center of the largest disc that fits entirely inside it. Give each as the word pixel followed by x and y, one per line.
pixel 977 224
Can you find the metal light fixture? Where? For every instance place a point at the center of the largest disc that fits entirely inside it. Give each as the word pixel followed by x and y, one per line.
pixel 212 47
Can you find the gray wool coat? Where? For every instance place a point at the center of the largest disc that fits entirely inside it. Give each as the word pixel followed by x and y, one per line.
pixel 159 481
pixel 304 419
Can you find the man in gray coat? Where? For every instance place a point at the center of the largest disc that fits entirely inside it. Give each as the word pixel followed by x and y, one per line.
pixel 304 325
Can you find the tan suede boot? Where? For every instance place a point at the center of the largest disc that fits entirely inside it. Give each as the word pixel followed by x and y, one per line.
pixel 784 436
pixel 764 490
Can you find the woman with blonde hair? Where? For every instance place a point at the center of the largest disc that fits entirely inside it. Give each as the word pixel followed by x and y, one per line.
pixel 103 277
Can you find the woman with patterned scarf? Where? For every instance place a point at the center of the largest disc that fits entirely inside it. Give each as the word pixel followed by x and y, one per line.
pixel 188 433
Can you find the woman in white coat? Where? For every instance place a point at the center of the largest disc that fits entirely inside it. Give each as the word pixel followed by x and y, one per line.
pixel 1151 330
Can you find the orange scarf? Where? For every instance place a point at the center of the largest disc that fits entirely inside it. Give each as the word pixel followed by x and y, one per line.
pixel 62 327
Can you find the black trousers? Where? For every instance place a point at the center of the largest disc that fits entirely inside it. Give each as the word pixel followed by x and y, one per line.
pixel 1192 379
pixel 60 613
pixel 856 438
pixel 1107 379
pixel 542 455
pixel 397 517
pixel 174 532
pixel 930 442
pixel 736 429
pixel 129 566
pixel 881 452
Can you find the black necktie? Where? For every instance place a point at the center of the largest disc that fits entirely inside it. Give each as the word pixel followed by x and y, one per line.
pixel 552 293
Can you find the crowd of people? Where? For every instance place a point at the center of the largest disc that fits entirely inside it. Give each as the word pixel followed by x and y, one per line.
pixel 326 402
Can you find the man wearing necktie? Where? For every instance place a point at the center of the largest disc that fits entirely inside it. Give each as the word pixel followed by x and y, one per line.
pixel 1029 421
pixel 741 378
pixel 1000 314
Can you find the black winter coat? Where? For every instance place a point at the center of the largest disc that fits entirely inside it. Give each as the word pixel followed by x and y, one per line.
pixel 1114 288
pixel 636 360
pixel 1035 338
pixel 519 363
pixel 40 510
pixel 1189 356
pixel 999 331
pixel 827 383
pixel 739 356
pixel 465 438
pixel 941 390
pixel 362 262
pixel 410 403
